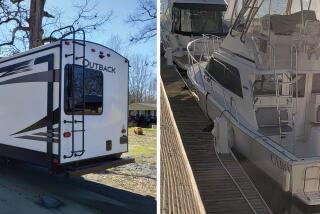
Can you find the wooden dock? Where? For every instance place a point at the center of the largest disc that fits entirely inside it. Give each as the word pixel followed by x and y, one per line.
pixel 179 192
pixel 220 182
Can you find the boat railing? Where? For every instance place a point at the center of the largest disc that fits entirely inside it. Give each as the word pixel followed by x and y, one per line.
pixel 202 48
pixel 199 51
pixel 301 47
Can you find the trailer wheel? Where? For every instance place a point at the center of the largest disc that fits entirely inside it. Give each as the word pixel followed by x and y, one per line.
pixel 116 156
pixel 10 162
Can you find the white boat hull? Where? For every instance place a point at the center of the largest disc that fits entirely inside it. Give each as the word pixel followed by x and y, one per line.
pixel 283 167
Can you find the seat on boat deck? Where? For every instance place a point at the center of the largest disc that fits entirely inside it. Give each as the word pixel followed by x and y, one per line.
pixel 268 121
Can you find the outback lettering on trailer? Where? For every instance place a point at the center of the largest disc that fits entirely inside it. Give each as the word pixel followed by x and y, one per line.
pixel 100 67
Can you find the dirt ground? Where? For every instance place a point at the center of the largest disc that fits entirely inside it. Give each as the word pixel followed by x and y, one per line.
pixel 28 189
pixel 127 189
pixel 139 177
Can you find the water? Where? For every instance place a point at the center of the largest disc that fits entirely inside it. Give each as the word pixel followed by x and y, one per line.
pixel 278 201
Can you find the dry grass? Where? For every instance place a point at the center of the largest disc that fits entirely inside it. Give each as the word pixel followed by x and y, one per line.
pixel 139 177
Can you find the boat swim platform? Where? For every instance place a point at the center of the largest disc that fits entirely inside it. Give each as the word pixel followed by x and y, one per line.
pixel 194 179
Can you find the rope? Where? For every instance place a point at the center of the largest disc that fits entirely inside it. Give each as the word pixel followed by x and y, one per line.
pixel 235 182
pixel 251 182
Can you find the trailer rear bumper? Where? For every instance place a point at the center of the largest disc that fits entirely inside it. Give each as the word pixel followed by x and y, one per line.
pixel 90 168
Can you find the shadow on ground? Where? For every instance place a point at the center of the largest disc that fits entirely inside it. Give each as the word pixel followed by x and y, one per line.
pixel 23 186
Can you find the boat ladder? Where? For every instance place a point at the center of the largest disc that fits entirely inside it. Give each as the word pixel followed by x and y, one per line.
pixel 285 83
pixel 284 94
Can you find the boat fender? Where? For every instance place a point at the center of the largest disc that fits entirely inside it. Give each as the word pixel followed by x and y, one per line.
pixel 230 136
pixel 169 56
pixel 286 182
pixel 220 135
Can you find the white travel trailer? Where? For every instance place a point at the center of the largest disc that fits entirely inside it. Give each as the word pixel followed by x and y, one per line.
pixel 64 106
pixel 185 20
pixel 264 79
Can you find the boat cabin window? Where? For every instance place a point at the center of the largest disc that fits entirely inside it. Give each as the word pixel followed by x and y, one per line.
pixel 265 85
pixel 93 91
pixel 198 19
pixel 316 83
pixel 226 75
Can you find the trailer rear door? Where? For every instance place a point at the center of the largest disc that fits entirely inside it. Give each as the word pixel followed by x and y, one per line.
pixel 94 104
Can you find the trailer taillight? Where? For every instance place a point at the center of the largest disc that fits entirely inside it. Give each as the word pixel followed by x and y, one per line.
pixel 123 131
pixel 67 134
pixel 55 161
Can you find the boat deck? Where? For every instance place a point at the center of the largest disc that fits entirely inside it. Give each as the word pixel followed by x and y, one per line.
pixel 183 62
pixel 222 189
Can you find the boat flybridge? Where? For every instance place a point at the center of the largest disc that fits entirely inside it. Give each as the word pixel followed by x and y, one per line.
pixel 262 84
pixel 185 20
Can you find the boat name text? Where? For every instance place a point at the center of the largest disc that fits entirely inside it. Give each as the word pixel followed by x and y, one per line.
pixel 278 162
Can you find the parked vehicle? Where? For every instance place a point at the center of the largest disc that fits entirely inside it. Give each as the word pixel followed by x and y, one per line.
pixel 64 106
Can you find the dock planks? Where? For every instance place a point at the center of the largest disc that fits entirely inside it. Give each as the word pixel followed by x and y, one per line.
pixel 177 187
pixel 218 192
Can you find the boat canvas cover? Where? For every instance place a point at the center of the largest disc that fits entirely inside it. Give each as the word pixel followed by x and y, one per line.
pixel 286 24
pixel 219 5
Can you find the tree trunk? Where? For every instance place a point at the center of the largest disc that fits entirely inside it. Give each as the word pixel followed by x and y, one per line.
pixel 35 22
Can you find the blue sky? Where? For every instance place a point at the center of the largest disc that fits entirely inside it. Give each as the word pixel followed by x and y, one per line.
pixel 117 26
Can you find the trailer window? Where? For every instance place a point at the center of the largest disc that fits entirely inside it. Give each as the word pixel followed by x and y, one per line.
pixel 93 91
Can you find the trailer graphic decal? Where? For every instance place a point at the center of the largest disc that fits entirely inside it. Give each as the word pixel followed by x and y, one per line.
pixel 41 124
pixel 49 75
pixel 44 139
pixel 36 77
pixel 15 68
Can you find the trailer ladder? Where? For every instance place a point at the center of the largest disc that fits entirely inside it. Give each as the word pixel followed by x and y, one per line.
pixel 73 121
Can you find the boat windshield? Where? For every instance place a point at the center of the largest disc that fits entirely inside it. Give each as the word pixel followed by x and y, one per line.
pixel 199 19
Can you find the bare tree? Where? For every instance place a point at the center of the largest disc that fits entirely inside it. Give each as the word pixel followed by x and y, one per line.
pixel 116 43
pixel 30 23
pixel 151 92
pixel 140 79
pixel 146 19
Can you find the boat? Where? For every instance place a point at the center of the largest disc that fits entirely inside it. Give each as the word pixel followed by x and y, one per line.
pixel 261 84
pixel 185 20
